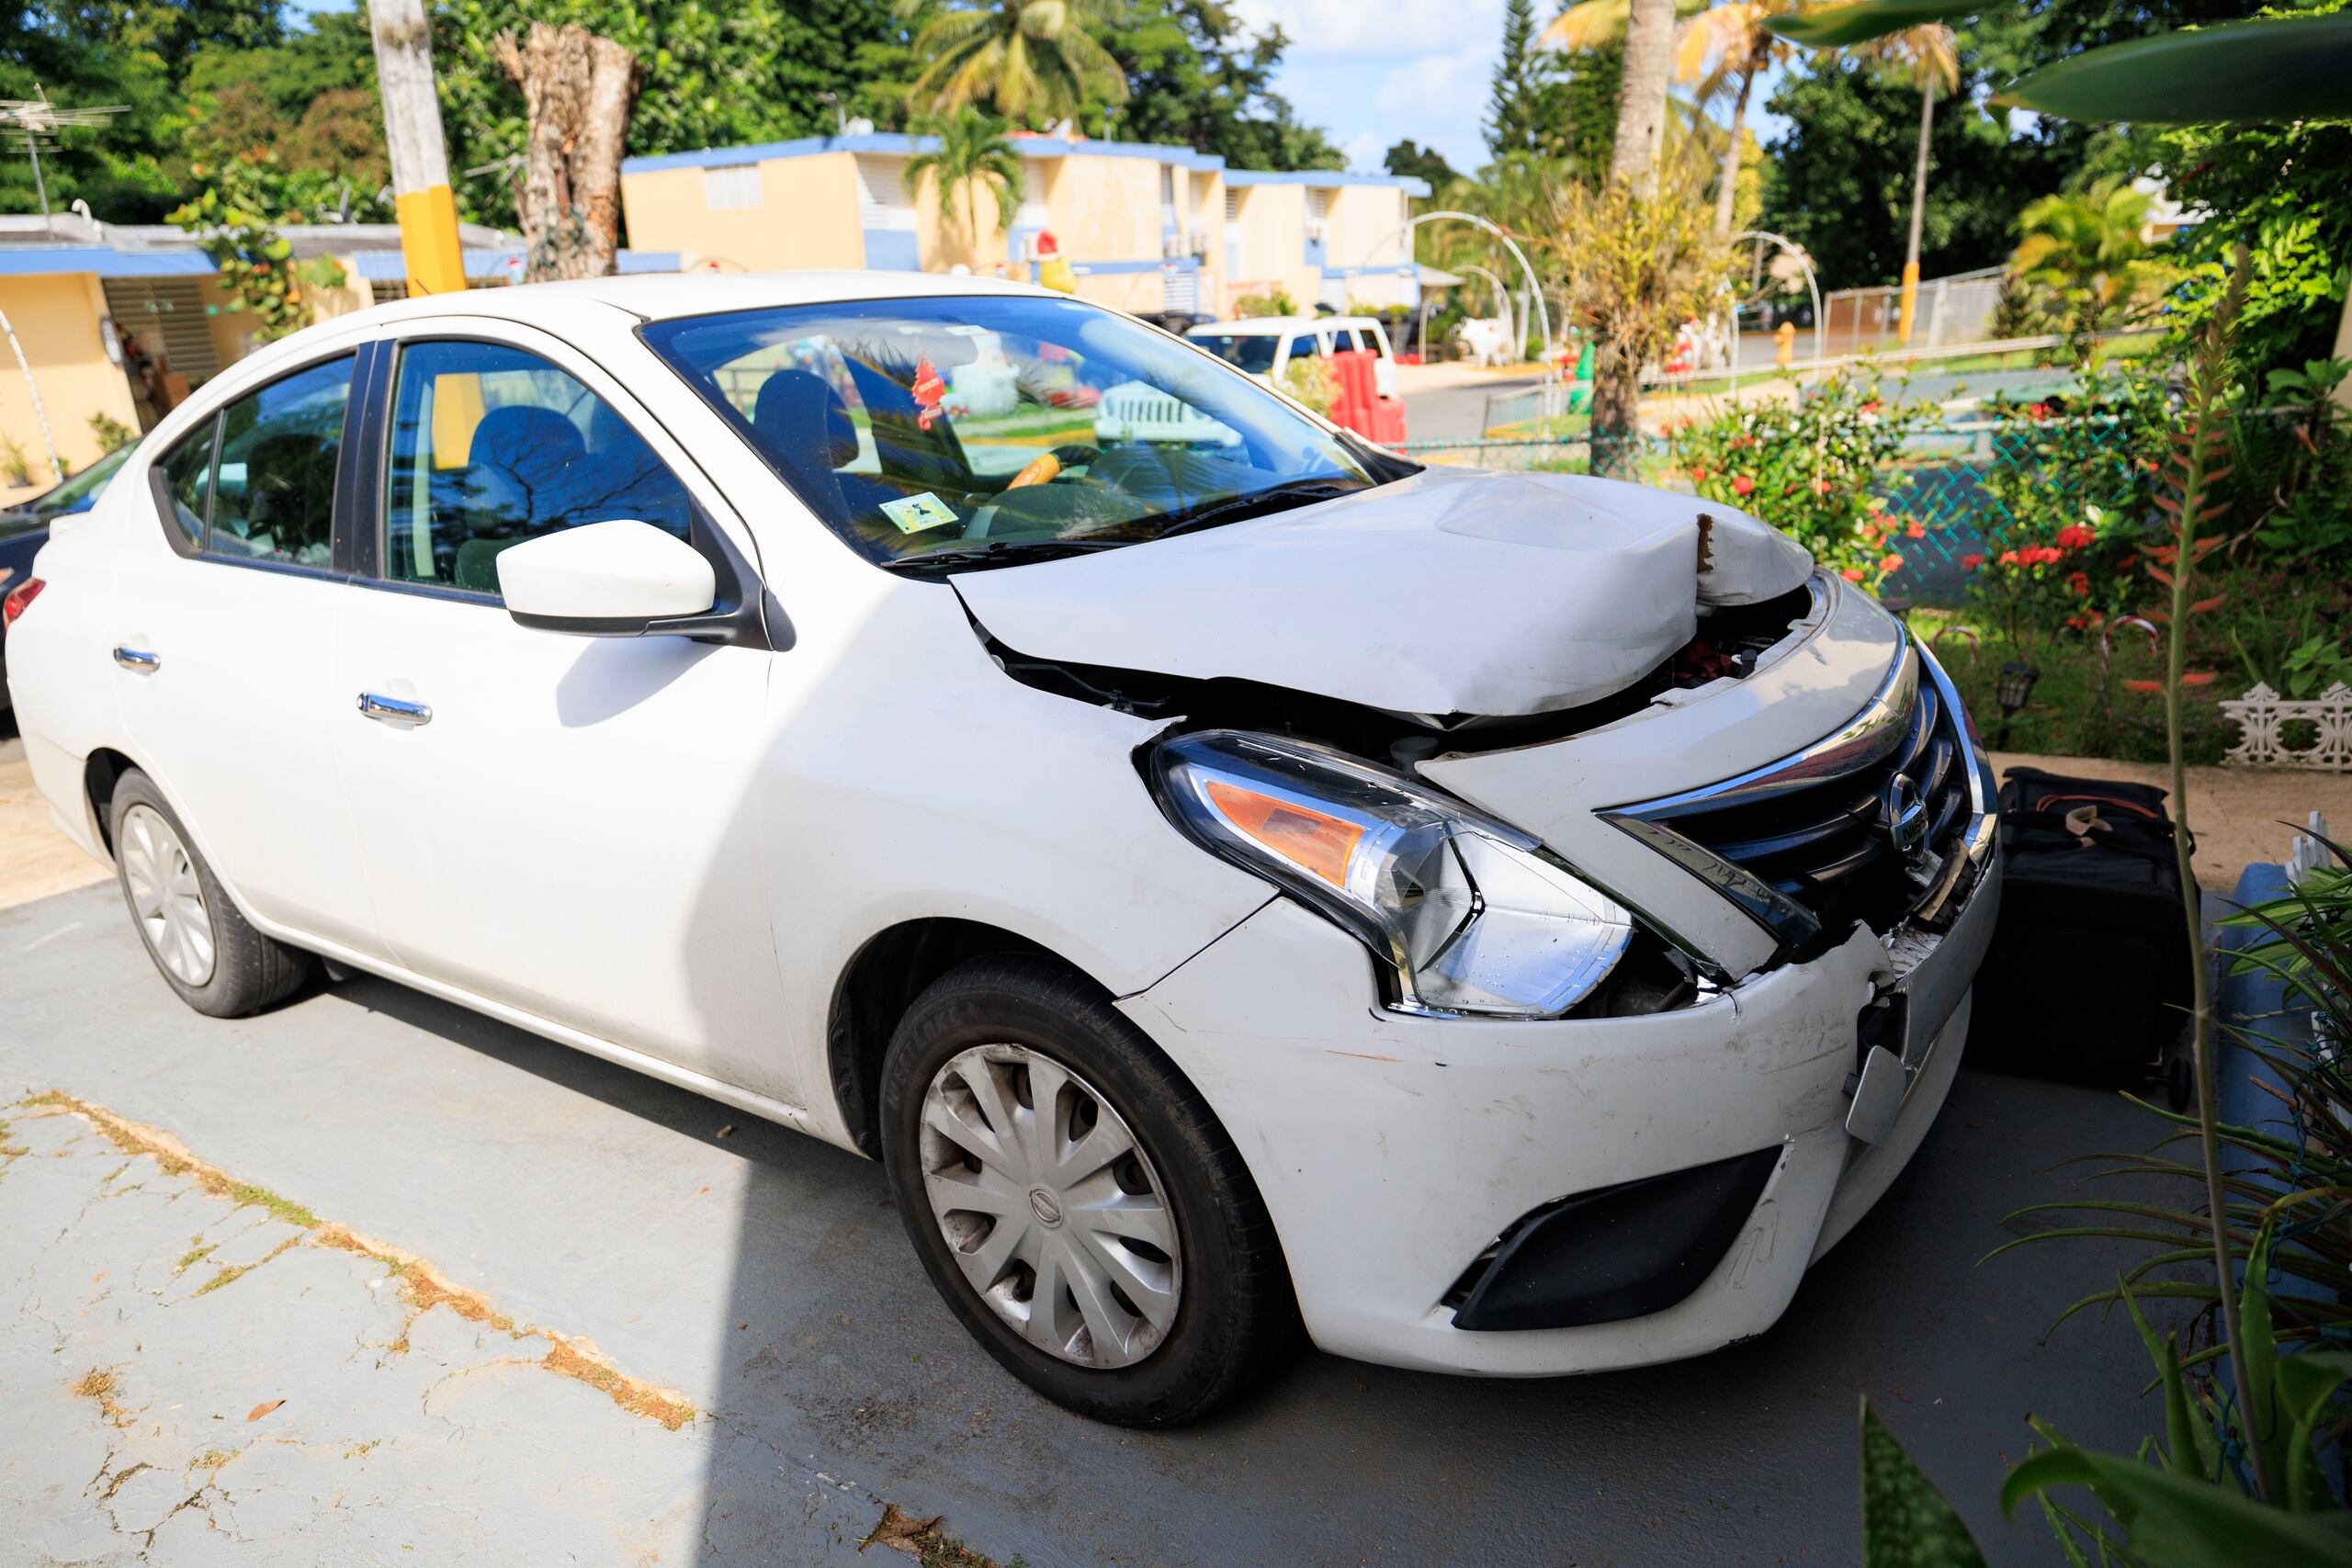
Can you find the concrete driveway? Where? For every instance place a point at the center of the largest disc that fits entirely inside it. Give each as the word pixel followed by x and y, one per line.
pixel 372 1279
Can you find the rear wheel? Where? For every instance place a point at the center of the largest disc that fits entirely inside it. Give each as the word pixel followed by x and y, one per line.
pixel 1075 1201
pixel 204 950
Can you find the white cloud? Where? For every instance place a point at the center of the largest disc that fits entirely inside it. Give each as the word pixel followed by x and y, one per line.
pixel 1373 73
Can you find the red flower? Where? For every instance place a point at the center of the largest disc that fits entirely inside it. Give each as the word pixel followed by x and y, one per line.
pixel 1698 476
pixel 1969 563
pixel 1890 562
pixel 1917 530
pixel 2144 686
pixel 2079 585
pixel 2075 536
pixel 1871 407
pixel 2037 411
pixel 1743 485
pixel 1821 487
pixel 2009 558
pixel 1853 574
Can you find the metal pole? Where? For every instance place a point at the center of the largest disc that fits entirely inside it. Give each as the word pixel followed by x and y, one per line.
pixel 32 145
pixel 41 411
pixel 1542 313
pixel 423 201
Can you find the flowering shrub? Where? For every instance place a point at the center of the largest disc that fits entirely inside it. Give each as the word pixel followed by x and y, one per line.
pixel 2073 506
pixel 1807 467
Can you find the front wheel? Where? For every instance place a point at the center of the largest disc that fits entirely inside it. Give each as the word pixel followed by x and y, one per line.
pixel 204 948
pixel 1074 1200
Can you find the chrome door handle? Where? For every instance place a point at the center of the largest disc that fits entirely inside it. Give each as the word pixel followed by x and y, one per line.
pixel 138 659
pixel 391 710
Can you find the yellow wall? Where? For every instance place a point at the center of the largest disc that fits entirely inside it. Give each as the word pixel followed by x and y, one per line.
pixel 352 293
pixel 56 318
pixel 806 217
pixel 1273 246
pixel 943 243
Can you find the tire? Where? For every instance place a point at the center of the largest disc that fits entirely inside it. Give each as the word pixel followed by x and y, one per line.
pixel 1017 1021
pixel 203 948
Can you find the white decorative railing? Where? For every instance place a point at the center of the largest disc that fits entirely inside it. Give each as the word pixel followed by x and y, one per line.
pixel 2263 717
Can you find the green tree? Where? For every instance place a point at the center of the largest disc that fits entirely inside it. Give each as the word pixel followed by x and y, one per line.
pixel 1197 78
pixel 714 77
pixel 1408 157
pixel 236 213
pixel 2087 251
pixel 1840 181
pixel 1524 96
pixel 1032 61
pixel 974 158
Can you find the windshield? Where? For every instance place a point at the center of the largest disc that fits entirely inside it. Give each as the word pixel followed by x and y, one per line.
pixel 1253 352
pixel 80 493
pixel 981 430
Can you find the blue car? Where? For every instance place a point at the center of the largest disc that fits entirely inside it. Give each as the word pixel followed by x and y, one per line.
pixel 24 529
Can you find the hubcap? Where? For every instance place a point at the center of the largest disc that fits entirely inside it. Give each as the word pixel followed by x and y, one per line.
pixel 1050 1205
pixel 166 896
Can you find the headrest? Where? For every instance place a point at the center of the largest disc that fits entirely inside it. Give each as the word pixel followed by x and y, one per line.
pixel 523 437
pixel 798 414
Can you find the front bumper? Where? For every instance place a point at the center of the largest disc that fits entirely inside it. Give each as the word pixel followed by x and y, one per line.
pixel 1392 1150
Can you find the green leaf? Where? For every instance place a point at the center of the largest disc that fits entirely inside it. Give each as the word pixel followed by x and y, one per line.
pixel 1859 21
pixel 2278 67
pixel 2306 1382
pixel 2175 1521
pixel 2260 1350
pixel 1906 1523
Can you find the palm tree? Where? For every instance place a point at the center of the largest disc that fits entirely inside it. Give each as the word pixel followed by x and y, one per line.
pixel 1929 54
pixel 973 150
pixel 1034 60
pixel 2086 249
pixel 1718 51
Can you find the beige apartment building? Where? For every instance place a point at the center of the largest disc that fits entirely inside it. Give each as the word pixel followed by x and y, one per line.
pixel 1144 228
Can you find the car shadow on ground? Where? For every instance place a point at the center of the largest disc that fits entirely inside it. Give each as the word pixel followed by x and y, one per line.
pixel 845 1379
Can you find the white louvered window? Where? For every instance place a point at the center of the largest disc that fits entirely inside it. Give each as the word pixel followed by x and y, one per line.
pixel 736 186
pixel 882 198
pixel 1232 205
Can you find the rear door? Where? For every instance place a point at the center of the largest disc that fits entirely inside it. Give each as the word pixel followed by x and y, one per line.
pixel 558 824
pixel 228 608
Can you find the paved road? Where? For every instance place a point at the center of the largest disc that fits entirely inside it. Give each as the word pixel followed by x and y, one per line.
pixel 764 1280
pixel 1457 412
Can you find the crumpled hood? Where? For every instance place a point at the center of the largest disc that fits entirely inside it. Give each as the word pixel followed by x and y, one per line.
pixel 1451 591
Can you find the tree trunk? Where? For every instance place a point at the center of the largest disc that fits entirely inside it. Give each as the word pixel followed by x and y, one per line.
pixel 577 90
pixel 1640 95
pixel 1727 183
pixel 1616 413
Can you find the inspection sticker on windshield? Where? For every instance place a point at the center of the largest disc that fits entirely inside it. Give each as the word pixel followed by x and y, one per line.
pixel 913 513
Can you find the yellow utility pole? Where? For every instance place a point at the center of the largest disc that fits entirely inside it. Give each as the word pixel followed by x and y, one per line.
pixel 425 204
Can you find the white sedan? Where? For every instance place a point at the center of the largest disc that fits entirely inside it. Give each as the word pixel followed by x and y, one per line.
pixel 1504 923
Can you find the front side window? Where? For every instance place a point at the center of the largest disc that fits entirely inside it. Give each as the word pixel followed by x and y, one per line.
pixel 991 429
pixel 490 447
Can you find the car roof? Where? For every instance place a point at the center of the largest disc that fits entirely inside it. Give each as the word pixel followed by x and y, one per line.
pixel 660 296
pixel 1269 326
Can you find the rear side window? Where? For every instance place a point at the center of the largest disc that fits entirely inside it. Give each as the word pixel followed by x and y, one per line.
pixel 490 447
pixel 258 483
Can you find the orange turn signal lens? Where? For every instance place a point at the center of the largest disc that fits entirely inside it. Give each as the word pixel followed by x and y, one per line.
pixel 1316 841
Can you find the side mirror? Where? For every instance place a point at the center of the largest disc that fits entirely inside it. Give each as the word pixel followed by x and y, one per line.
pixel 616 579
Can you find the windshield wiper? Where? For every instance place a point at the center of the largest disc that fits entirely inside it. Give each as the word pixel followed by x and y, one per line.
pixel 1259 504
pixel 1002 552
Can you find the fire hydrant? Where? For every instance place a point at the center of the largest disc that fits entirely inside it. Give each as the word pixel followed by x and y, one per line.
pixel 1784 344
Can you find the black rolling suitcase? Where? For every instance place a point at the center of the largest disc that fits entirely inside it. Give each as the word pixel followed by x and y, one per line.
pixel 2087 977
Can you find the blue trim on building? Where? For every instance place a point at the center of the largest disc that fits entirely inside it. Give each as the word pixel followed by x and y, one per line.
pixel 1118 268
pixel 1403 269
pixel 893 144
pixel 1410 185
pixel 28 261
pixel 390 266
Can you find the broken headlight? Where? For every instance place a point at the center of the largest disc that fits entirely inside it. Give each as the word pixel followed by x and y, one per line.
pixel 1468 915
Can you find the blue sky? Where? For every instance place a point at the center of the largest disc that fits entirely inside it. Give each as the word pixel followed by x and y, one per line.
pixel 1373 73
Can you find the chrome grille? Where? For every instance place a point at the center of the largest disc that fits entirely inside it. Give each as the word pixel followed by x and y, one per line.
pixel 1817 827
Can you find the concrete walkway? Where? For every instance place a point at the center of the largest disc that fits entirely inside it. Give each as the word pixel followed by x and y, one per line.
pixel 556 1260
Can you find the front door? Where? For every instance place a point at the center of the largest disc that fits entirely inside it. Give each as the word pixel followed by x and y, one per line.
pixel 560 824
